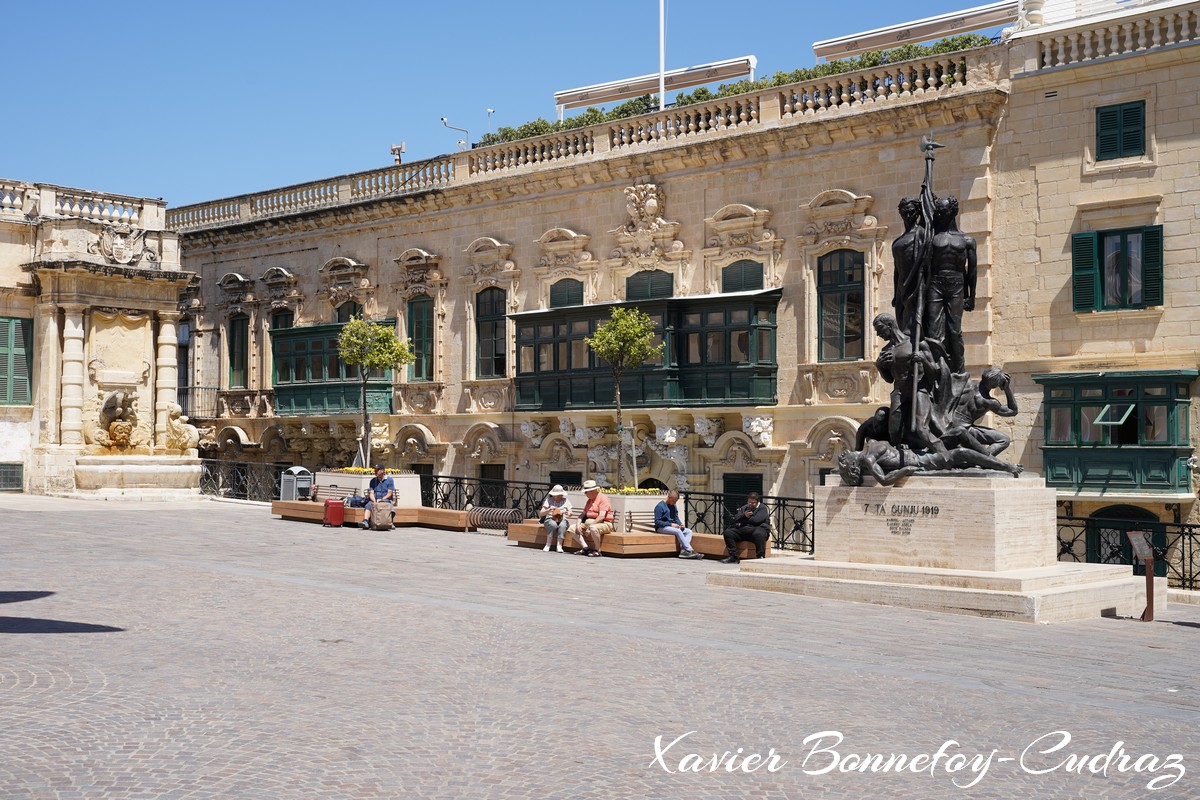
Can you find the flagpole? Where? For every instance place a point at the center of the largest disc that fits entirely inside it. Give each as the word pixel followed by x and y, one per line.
pixel 662 54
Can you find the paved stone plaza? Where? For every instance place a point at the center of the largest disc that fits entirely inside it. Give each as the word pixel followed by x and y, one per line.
pixel 211 651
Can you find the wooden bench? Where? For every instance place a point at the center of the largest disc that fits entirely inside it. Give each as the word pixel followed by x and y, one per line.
pixel 314 510
pixel 710 544
pixel 309 511
pixel 531 533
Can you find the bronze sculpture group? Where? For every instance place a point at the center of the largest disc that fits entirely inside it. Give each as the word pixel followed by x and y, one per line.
pixel 931 422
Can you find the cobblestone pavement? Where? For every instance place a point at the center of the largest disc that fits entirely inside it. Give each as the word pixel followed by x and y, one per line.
pixel 208 650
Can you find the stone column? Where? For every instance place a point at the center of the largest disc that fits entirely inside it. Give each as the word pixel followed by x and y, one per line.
pixel 71 400
pixel 166 372
pixel 46 333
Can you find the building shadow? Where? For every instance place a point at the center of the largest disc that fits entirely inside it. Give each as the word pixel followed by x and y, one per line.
pixel 20 597
pixel 31 625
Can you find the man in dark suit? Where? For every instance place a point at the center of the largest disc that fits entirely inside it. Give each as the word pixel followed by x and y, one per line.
pixel 750 524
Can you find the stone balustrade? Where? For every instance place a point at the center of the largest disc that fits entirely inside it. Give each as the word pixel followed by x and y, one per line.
pixel 907 81
pixel 12 197
pixel 686 121
pixel 97 207
pixel 552 148
pixel 47 200
pixel 293 199
pixel 206 215
pixel 402 178
pixel 885 83
pixel 1132 31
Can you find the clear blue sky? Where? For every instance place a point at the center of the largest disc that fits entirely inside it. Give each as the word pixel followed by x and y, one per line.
pixel 192 101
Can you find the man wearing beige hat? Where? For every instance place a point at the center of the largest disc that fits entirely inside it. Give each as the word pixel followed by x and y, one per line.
pixel 595 520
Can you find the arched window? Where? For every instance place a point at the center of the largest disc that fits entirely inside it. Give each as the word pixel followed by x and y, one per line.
pixel 649 285
pixel 491 341
pixel 567 292
pixel 742 276
pixel 239 351
pixel 348 310
pixel 420 334
pixel 840 305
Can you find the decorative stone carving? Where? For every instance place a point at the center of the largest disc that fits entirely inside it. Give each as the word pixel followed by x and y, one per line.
pixel 670 434
pixel 115 425
pixel 420 398
pixel 180 435
pixel 488 395
pixel 564 256
pixel 759 429
pixel 536 431
pixel 646 240
pixel 739 457
pixel 123 244
pixel 737 232
pixel 488 256
pixel 709 429
pixel 381 442
pixel 676 454
pixel 420 273
pixel 344 279
pixel 237 293
pixel 282 291
pixel 562 455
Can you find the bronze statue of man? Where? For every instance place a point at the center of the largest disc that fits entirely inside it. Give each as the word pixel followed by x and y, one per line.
pixel 905 260
pixel 951 289
pixel 912 371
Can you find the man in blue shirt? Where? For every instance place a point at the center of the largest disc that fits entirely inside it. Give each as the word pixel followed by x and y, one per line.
pixel 666 520
pixel 382 489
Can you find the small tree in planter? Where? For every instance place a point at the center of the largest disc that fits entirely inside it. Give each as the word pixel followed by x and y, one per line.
pixel 368 346
pixel 625 342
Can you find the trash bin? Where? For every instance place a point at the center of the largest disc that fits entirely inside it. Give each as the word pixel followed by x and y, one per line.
pixel 295 484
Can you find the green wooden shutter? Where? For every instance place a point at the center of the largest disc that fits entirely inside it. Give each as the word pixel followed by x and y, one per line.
pixel 742 276
pixel 1133 129
pixel 22 355
pixel 662 284
pixel 1085 271
pixel 566 292
pixel 1108 132
pixel 1152 265
pixel 6 369
pixel 16 355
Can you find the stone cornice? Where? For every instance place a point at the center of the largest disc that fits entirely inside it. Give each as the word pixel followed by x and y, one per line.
pixel 109 270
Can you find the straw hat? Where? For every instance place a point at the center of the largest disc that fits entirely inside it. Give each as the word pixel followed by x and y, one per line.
pixel 591 486
pixel 557 491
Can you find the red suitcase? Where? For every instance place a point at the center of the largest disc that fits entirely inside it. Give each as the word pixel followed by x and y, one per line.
pixel 335 513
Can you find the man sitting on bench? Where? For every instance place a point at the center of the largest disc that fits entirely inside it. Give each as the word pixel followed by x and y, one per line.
pixel 666 520
pixel 382 489
pixel 751 523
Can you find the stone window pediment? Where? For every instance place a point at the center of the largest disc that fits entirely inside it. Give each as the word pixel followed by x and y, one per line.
pixel 739 232
pixel 488 256
pixel 564 256
pixel 345 279
pixel 420 273
pixel 282 288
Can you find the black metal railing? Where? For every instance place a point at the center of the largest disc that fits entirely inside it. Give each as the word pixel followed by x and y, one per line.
pixel 450 491
pixel 198 402
pixel 791 517
pixel 1103 541
pixel 240 480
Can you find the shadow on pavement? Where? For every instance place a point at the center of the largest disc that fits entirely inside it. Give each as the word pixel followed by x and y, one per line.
pixel 30 625
pixel 20 597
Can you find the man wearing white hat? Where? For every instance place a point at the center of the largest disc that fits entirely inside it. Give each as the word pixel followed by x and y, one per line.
pixel 595 520
pixel 555 515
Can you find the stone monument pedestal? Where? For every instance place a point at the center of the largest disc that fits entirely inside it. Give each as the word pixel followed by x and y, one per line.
pixel 974 542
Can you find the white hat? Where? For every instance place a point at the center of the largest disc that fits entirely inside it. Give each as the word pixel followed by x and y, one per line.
pixel 590 486
pixel 557 491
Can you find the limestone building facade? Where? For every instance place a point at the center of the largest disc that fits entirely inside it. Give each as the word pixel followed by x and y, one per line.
pixel 756 230
pixel 89 292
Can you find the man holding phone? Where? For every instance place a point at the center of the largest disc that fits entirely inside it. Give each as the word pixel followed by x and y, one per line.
pixel 750 524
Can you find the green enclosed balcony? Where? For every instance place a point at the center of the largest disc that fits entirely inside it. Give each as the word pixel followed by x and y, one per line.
pixel 310 378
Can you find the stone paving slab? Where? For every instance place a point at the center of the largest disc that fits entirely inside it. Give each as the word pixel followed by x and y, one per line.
pixel 208 650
